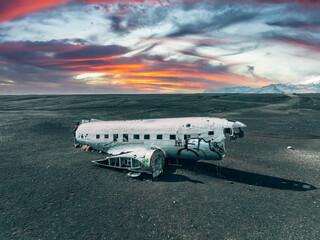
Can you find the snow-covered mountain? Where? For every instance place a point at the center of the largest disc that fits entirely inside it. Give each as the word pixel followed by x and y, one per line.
pixel 272 88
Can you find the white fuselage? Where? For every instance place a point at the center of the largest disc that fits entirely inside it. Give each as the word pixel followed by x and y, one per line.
pixel 179 138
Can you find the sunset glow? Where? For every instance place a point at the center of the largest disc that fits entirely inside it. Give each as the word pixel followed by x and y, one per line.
pixel 109 46
pixel 89 75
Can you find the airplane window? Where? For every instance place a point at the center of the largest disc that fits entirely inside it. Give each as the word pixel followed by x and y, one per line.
pixel 187 136
pixel 178 142
pixel 106 136
pixel 125 162
pixel 135 163
pixel 125 137
pixel 136 136
pixel 211 133
pixel 159 137
pixel 188 125
pixel 172 137
pixel 112 162
pixel 147 136
pixel 115 137
pixel 97 136
pixel 227 130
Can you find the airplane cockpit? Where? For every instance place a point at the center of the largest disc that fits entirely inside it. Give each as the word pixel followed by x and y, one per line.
pixel 233 134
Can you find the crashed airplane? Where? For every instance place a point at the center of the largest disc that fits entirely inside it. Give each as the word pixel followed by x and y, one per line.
pixel 141 146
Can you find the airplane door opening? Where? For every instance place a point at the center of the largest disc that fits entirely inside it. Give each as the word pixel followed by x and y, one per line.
pixel 115 137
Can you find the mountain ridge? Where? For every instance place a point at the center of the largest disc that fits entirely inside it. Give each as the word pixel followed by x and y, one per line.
pixel 271 88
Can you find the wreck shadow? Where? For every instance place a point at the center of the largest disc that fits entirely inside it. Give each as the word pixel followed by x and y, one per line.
pixel 255 179
pixel 174 177
pixel 169 175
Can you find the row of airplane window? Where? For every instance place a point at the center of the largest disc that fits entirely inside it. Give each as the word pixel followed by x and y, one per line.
pixel 145 136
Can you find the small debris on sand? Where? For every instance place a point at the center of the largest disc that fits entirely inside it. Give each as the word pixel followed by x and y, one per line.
pixel 86 148
pixel 77 145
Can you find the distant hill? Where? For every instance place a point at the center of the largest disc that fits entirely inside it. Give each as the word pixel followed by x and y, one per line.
pixel 272 88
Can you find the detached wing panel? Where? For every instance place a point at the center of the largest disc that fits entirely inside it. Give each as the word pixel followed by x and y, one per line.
pixel 135 158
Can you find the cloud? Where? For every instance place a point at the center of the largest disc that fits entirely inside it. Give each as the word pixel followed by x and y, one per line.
pixel 58 63
pixel 296 23
pixel 48 61
pixel 298 40
pixel 296 17
pixel 250 68
pixel 304 3
pixel 13 9
pixel 163 45
pixel 86 52
pixel 211 18
pixel 16 8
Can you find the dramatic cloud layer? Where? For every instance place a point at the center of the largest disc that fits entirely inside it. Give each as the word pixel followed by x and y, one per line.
pixel 108 46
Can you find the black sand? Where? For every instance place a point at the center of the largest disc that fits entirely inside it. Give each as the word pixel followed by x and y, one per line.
pixel 261 190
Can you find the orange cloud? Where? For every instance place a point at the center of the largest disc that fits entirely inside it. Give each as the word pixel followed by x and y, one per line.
pixel 12 9
pixel 17 8
pixel 175 81
pixel 56 59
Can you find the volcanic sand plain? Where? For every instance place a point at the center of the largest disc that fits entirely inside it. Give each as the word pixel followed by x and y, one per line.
pixel 261 190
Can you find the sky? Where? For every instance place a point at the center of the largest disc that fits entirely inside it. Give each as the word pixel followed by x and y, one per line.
pixel 156 46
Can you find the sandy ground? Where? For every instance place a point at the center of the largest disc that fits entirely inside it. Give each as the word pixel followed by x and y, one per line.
pixel 261 190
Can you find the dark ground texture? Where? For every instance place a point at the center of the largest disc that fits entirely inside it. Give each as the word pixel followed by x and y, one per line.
pixel 261 190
